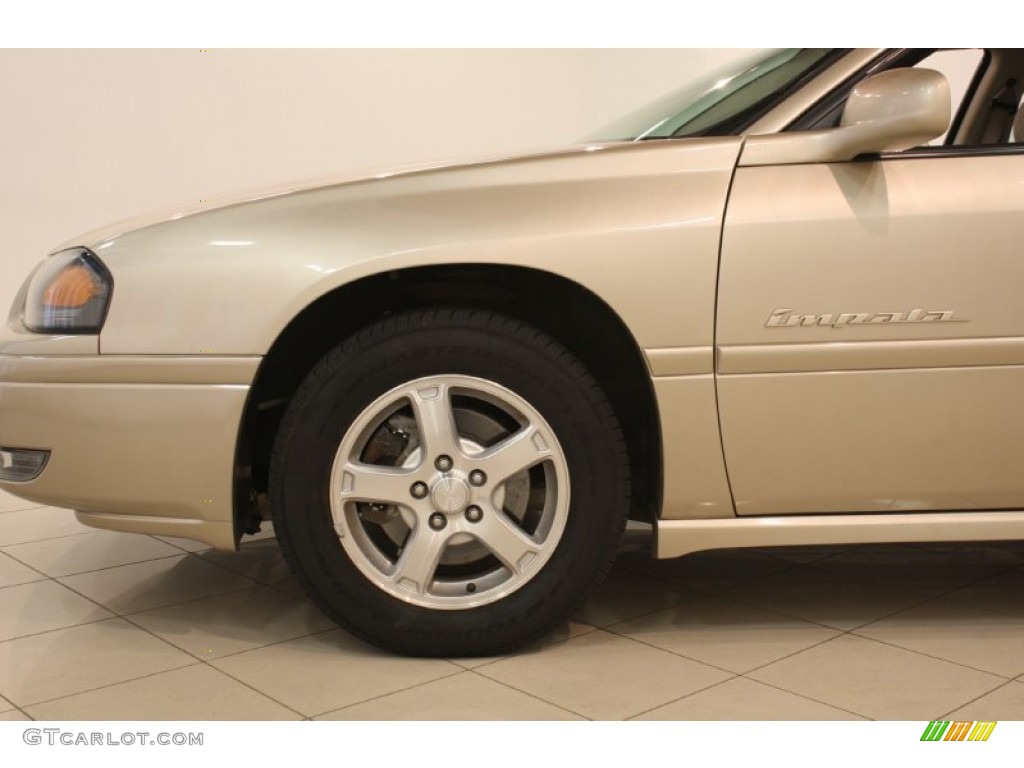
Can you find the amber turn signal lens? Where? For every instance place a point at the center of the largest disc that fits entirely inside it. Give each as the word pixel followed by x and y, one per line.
pixel 69 292
pixel 74 287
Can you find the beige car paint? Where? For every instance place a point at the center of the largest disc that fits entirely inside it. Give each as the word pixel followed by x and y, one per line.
pixel 639 225
pixel 695 483
pixel 681 537
pixel 873 416
pixel 586 215
pixel 156 453
pixel 277 254
pixel 17 342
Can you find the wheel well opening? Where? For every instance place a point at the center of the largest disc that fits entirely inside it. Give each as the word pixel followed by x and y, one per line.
pixel 564 310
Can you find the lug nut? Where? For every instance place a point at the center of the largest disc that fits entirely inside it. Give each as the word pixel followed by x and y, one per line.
pixel 419 490
pixel 438 521
pixel 474 514
pixel 477 477
pixel 444 463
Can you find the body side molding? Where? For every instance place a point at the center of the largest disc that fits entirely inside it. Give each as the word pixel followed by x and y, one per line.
pixel 676 538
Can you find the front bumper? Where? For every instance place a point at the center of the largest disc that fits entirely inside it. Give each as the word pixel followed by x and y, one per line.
pixel 144 444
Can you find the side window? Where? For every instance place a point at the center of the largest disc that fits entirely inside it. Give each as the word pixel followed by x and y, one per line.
pixel 960 67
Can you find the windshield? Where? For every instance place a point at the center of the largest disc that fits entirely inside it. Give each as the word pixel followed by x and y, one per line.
pixel 722 103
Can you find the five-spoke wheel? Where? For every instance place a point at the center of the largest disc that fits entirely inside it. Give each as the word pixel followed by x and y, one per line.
pixel 449 482
pixel 449 492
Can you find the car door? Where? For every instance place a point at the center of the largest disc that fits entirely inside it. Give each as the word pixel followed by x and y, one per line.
pixel 870 333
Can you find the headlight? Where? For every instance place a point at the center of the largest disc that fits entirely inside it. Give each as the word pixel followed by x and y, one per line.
pixel 68 293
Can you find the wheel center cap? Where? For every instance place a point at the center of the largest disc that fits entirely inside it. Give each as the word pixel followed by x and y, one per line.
pixel 450 495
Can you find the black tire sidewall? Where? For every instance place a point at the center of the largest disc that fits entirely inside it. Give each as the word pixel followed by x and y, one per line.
pixel 472 344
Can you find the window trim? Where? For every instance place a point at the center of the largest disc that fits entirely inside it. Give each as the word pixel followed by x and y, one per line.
pixel 972 88
pixel 948 150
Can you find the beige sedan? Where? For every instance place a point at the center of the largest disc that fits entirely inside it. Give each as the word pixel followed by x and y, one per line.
pixel 777 307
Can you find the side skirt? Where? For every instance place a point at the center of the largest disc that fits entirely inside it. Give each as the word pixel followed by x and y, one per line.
pixel 676 538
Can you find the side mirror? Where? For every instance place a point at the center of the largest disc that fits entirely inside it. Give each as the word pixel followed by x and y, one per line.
pixel 898 109
pixel 887 112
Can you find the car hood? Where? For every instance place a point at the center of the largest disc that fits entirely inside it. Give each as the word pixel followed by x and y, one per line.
pixel 108 232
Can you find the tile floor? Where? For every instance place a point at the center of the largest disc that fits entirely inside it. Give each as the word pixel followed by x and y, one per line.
pixel 99 625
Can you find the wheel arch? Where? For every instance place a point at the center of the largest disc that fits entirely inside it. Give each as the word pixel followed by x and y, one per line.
pixel 565 310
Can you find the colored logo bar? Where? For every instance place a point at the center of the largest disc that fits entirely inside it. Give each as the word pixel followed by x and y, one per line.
pixel 961 730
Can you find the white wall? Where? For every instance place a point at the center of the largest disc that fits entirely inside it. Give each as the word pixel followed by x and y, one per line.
pixel 87 137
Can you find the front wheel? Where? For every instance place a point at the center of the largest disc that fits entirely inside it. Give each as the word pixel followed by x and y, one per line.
pixel 448 483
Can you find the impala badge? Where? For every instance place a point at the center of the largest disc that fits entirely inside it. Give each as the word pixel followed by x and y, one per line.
pixel 787 318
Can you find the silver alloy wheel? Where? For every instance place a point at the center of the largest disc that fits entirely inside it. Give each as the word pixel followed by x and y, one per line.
pixel 449 492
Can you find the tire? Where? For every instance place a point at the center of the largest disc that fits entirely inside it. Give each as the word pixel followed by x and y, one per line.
pixel 380 507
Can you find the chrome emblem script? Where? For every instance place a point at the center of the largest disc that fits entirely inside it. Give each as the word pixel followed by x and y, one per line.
pixel 787 318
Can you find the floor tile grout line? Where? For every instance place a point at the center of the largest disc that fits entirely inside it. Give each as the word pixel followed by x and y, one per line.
pixel 556 644
pixel 94 570
pixel 715 666
pixel 58 629
pixel 734 676
pixel 640 616
pixel 944 595
pixel 277 586
pixel 253 688
pixel 570 639
pixel 223 567
pixel 699 594
pixel 69 626
pixel 666 650
pixel 154 607
pixel 976 698
pixel 25 509
pixel 937 598
pixel 47 538
pixel 533 695
pixel 749 604
pixel 256 690
pixel 207 663
pixel 969 583
pixel 129 618
pixel 746 674
pixel 458 671
pixel 114 614
pixel 111 685
pixel 155 537
pixel 805 696
pixel 195 660
pixel 30 567
pixel 841 633
pixel 743 676
pixel 728 598
pixel 854 633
